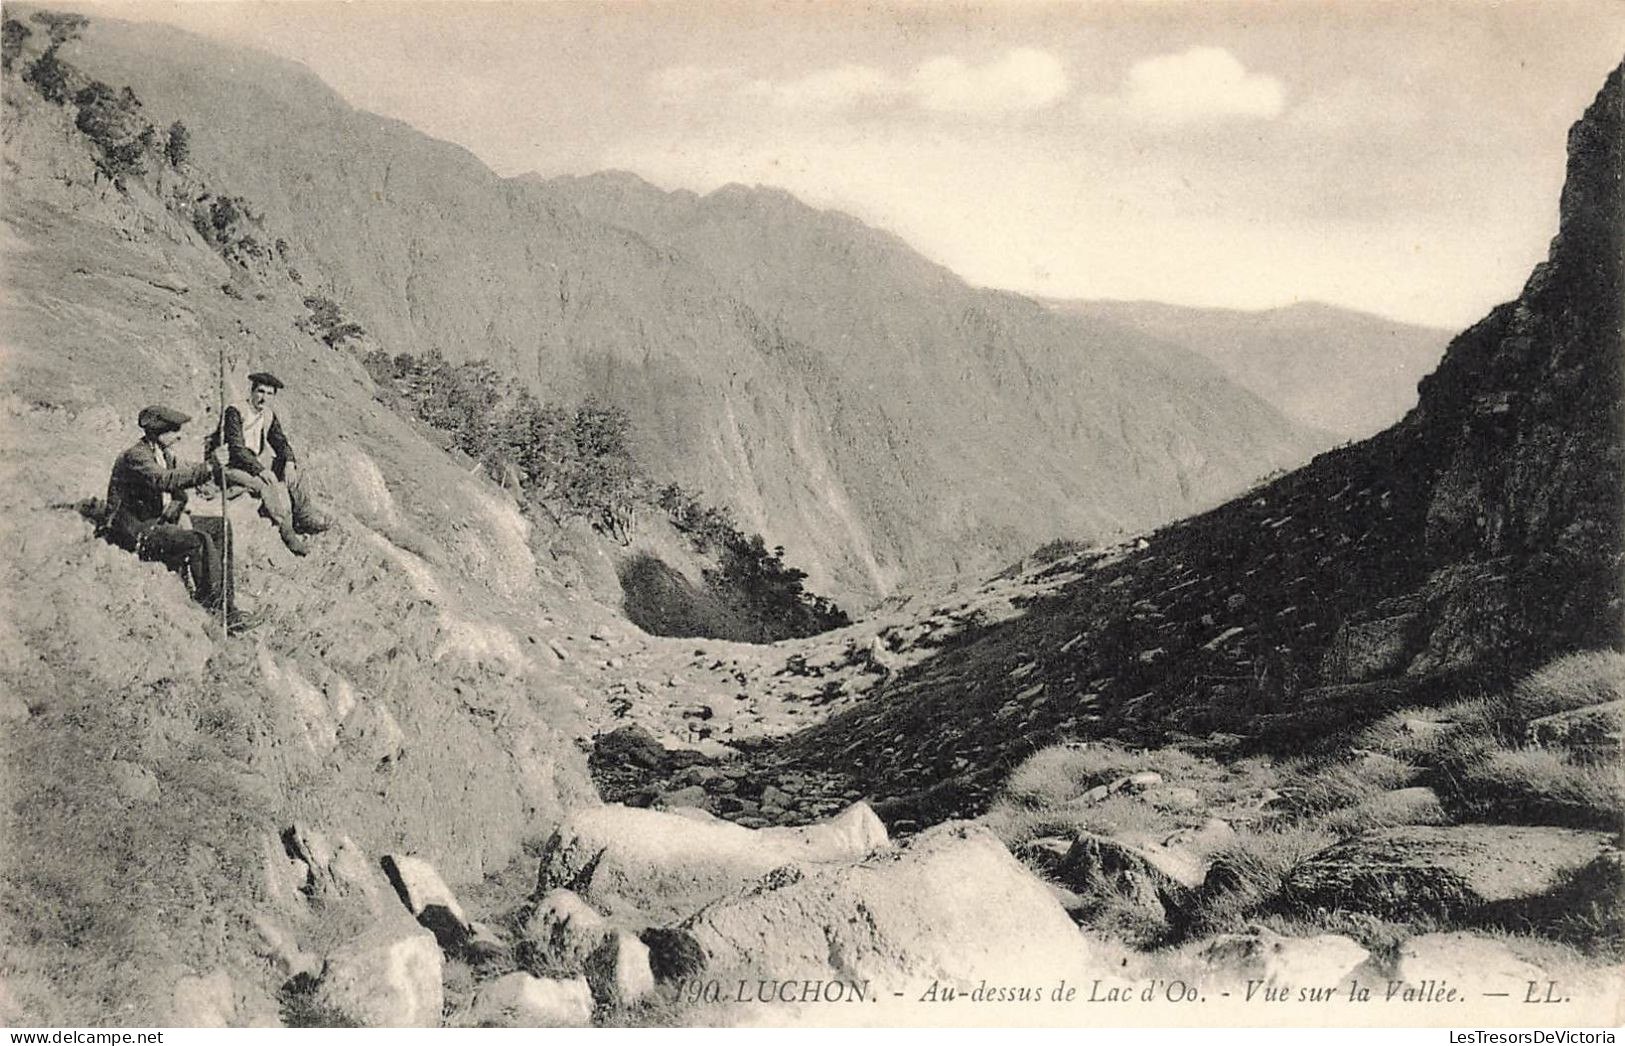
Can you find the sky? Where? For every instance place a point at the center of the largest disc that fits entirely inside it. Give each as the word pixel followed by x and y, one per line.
pixel 1397 157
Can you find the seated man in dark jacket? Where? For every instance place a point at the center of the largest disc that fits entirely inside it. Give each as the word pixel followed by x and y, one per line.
pixel 146 495
pixel 252 432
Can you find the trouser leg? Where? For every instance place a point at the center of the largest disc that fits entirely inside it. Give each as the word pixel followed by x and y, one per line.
pixel 274 501
pixel 188 551
pixel 216 531
pixel 306 516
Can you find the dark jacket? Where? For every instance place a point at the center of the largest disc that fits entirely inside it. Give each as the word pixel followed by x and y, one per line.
pixel 137 488
pixel 248 458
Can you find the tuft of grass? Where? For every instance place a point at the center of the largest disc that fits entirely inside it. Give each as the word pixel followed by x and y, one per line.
pixel 1390 810
pixel 1423 736
pixel 1575 681
pixel 1248 874
pixel 1539 786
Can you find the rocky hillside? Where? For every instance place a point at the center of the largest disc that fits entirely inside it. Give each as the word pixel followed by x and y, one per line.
pixel 847 399
pixel 400 692
pixel 1347 373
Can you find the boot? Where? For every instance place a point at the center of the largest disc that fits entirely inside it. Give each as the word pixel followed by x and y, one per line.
pixel 295 543
pixel 310 524
pixel 240 621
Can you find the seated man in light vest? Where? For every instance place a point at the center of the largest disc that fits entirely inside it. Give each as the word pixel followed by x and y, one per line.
pixel 252 431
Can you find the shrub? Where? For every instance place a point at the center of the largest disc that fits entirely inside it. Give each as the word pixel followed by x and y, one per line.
pixel 59 26
pixel 112 121
pixel 49 76
pixel 178 144
pixel 326 320
pixel 579 462
pixel 12 35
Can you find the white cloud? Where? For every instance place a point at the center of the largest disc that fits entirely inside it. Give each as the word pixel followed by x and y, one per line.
pixel 1202 83
pixel 1023 79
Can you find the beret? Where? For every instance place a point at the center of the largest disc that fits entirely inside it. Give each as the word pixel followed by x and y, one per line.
pixel 161 419
pixel 265 377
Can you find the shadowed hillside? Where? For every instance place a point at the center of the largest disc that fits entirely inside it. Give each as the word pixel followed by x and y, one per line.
pixel 1470 543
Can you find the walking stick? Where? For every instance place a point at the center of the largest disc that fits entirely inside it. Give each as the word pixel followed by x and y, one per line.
pixel 225 514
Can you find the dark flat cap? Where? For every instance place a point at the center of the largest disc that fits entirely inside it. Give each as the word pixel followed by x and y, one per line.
pixel 264 377
pixel 157 419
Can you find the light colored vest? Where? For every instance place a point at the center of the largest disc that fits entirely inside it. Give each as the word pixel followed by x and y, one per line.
pixel 255 426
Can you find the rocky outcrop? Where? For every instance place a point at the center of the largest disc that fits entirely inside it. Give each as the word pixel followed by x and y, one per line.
pixel 1441 872
pixel 1466 958
pixel 1596 730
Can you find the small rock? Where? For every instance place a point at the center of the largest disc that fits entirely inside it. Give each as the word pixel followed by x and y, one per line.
pixel 631 745
pixel 1134 784
pixel 693 795
pixel 428 898
pixel 1173 798
pixel 563 930
pixel 483 944
pixel 774 798
pixel 1092 795
pixel 518 1000
pixel 618 969
pixel 1213 833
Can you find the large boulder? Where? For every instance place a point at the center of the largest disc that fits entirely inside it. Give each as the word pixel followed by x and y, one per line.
pixel 1440 872
pixel 657 867
pixel 518 1000
pixel 951 905
pixel 386 978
